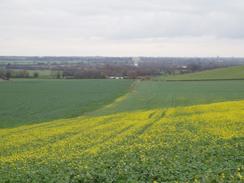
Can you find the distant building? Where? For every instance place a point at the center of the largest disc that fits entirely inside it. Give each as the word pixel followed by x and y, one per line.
pixel 184 69
pixel 136 61
pixel 116 77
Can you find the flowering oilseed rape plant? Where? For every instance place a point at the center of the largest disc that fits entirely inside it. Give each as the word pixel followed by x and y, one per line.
pixel 203 143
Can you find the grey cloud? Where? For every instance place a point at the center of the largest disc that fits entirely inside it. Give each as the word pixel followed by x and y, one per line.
pixel 120 20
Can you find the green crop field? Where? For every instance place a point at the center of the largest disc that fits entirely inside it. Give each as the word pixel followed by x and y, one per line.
pixel 236 72
pixel 28 101
pixel 161 94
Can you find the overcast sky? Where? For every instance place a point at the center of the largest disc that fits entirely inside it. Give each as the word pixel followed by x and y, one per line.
pixel 122 27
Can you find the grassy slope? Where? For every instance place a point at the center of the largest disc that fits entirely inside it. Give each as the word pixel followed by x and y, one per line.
pixel 27 101
pixel 223 73
pixel 187 143
pixel 152 94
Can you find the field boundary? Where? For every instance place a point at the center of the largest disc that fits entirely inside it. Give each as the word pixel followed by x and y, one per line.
pixel 117 100
pixel 200 80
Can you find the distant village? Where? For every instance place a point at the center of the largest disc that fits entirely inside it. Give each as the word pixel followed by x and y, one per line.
pixel 106 67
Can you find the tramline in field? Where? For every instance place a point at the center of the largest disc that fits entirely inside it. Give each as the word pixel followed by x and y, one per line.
pixel 182 144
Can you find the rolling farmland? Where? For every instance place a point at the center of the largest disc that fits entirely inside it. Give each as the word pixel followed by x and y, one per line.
pixel 31 101
pixel 121 131
pixel 196 144
pixel 228 73
pixel 141 91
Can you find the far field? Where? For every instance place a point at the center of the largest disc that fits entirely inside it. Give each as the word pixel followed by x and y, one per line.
pixel 30 100
pixel 236 72
pixel 162 94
